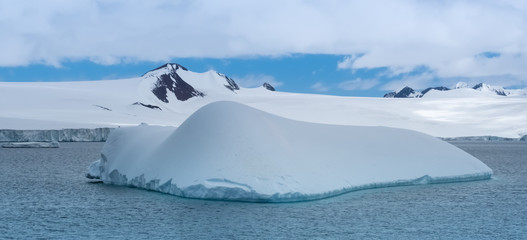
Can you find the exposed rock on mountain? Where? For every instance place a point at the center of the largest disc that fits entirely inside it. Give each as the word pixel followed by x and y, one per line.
pixel 268 87
pixel 231 83
pixel 485 87
pixel 434 88
pixel 408 92
pixel 147 105
pixel 169 82
pixel 173 79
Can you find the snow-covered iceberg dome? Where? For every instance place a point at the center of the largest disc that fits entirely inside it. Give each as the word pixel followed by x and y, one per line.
pixel 229 151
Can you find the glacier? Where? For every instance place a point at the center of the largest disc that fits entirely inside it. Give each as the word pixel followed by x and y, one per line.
pixel 230 151
pixel 31 145
pixel 62 135
pixel 129 102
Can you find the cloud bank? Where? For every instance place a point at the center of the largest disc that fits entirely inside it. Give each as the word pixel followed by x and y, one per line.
pixel 451 38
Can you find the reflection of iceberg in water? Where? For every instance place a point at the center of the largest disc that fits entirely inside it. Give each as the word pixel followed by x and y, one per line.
pixel 229 151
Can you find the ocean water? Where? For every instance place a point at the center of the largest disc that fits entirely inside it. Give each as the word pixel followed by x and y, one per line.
pixel 44 195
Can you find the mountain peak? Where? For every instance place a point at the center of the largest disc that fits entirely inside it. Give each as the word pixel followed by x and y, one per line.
pixel 167 81
pixel 231 84
pixel 461 85
pixel 485 87
pixel 172 79
pixel 173 66
pixel 408 92
pixel 168 67
pixel 268 86
pixel 478 86
pixel 403 93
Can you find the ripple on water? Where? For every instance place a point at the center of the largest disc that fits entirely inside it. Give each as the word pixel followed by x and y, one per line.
pixel 45 195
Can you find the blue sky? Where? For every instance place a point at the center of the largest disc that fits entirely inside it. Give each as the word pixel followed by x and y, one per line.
pixel 312 73
pixel 350 48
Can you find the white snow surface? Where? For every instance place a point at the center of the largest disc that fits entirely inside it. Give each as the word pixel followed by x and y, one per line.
pixel 461 85
pixel 109 103
pixel 229 151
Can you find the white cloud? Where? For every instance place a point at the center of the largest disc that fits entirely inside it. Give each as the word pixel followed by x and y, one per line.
pixel 319 87
pixel 347 62
pixel 446 36
pixel 256 80
pixel 358 84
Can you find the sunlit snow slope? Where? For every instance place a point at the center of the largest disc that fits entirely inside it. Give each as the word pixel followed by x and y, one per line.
pixel 229 151
pixel 153 99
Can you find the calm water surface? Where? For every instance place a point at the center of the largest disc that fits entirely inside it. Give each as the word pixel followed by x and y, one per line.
pixel 44 195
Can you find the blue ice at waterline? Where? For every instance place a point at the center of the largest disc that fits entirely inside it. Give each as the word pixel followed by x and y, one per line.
pixel 229 151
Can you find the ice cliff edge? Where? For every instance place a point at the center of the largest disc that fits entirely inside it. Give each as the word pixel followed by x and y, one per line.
pixel 229 151
pixel 62 135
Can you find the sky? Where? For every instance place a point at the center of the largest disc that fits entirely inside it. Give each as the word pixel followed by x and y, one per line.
pixel 338 47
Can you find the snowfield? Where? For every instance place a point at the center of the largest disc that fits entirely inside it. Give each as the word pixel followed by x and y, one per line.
pixel 200 135
pixel 129 102
pixel 229 151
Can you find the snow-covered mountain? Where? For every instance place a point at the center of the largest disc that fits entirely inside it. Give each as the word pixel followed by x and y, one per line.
pixel 408 92
pixel 173 80
pixel 460 90
pixel 169 94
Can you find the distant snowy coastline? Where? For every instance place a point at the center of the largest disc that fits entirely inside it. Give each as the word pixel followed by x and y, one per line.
pixel 168 95
pixel 62 135
pixel 31 145
pixel 484 138
pixel 101 135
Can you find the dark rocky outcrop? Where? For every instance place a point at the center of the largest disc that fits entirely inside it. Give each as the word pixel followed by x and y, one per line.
pixel 231 84
pixel 434 88
pixel 174 66
pixel 390 94
pixel 147 105
pixel 268 87
pixel 479 86
pixel 172 83
pixel 404 93
pixel 408 92
pixel 101 107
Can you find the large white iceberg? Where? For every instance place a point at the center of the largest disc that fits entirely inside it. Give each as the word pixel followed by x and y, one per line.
pixel 229 151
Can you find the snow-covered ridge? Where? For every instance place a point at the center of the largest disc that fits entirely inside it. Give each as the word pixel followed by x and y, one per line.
pixel 129 102
pixel 460 90
pixel 229 151
pixel 173 80
pixel 166 82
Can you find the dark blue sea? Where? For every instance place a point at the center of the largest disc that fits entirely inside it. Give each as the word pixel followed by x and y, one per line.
pixel 44 194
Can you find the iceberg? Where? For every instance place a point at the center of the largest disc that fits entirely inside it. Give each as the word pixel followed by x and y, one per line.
pixel 229 151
